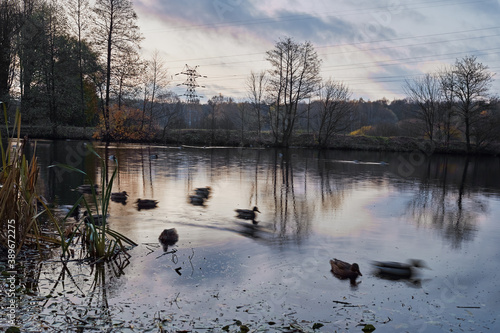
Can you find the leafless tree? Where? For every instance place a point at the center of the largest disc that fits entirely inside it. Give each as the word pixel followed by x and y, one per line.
pixel 256 84
pixel 79 22
pixel 472 81
pixel 294 76
pixel 156 80
pixel 115 31
pixel 335 110
pixel 426 93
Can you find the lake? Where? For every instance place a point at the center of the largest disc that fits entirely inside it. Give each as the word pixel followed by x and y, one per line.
pixel 275 275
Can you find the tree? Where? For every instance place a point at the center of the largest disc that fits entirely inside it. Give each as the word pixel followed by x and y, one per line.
pixel 155 80
pixel 447 109
pixel 117 33
pixel 335 110
pixel 10 24
pixel 426 93
pixel 294 75
pixel 256 84
pixel 472 81
pixel 79 22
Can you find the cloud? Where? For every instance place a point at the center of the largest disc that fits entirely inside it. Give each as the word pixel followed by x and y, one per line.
pixel 360 39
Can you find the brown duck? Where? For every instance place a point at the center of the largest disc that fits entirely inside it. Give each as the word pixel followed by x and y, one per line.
pixel 344 270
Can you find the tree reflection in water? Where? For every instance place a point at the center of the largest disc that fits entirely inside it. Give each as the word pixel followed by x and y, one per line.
pixel 450 206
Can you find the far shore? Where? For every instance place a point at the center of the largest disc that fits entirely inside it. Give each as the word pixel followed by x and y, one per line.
pixel 233 138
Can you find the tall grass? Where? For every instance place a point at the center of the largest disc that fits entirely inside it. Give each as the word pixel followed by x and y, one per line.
pixel 20 206
pixel 19 223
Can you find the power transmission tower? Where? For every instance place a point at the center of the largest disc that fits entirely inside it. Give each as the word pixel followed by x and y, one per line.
pixel 190 83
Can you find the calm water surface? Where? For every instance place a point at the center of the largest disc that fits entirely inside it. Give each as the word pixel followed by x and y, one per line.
pixel 315 206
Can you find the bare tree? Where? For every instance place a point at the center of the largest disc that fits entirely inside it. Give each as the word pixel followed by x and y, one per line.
pixel 335 110
pixel 256 84
pixel 115 31
pixel 426 93
pixel 79 22
pixel 472 81
pixel 447 109
pixel 294 75
pixel 10 24
pixel 156 80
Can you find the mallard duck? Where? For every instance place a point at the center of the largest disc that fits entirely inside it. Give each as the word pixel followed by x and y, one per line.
pixel 203 191
pixel 146 203
pixel 96 219
pixel 247 214
pixel 119 196
pixel 197 200
pixel 344 270
pixel 398 270
pixel 86 188
pixel 169 236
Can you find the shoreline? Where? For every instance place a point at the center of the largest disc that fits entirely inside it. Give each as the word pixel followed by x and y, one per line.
pixel 250 139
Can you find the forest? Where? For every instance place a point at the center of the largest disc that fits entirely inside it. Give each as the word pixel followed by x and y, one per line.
pixel 77 68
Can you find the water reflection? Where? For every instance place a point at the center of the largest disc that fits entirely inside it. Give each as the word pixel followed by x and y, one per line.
pixel 448 204
pixel 294 187
pixel 314 206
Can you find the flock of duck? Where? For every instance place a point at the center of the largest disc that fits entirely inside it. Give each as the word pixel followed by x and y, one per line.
pixel 340 269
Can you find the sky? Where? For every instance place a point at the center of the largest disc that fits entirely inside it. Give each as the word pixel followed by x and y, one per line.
pixel 372 46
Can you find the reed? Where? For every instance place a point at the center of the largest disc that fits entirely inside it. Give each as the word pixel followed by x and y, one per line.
pixel 99 241
pixel 19 213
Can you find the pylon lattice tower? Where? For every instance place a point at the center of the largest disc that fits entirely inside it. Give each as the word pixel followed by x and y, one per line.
pixel 190 83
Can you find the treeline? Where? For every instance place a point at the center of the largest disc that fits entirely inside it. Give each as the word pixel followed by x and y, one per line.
pixel 72 64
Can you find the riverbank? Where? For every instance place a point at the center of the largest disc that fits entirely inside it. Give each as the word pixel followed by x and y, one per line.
pixel 232 138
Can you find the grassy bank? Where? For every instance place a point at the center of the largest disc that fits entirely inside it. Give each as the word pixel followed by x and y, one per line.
pixel 232 138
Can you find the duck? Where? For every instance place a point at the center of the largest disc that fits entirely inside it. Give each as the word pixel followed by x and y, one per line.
pixel 197 200
pixel 169 236
pixel 203 191
pixel 344 270
pixel 153 157
pixel 247 214
pixel 96 219
pixel 86 188
pixel 119 196
pixel 398 270
pixel 146 203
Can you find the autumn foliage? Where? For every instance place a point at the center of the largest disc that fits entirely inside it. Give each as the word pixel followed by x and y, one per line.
pixel 126 124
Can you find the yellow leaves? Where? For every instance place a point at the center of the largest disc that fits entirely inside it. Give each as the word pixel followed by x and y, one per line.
pixel 362 131
pixel 125 124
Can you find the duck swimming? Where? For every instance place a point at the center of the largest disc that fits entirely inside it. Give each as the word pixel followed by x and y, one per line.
pixel 119 196
pixel 398 270
pixel 146 203
pixel 203 191
pixel 96 219
pixel 86 188
pixel 344 270
pixel 197 200
pixel 247 214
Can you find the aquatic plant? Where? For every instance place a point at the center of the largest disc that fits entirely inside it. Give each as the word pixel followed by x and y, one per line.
pixel 99 241
pixel 19 213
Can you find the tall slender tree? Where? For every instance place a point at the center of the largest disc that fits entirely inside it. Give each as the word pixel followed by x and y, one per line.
pixel 256 85
pixel 10 23
pixel 116 32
